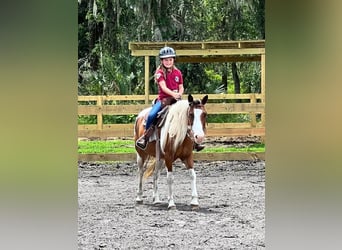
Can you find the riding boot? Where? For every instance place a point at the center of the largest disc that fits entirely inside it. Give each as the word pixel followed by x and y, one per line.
pixel 198 147
pixel 142 141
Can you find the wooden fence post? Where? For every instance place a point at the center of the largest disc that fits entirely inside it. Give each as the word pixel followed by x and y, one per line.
pixel 99 114
pixel 252 114
pixel 263 91
pixel 147 78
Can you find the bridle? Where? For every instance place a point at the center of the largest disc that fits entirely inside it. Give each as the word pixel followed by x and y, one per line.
pixel 191 117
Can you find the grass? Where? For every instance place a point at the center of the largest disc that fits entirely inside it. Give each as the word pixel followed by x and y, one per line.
pixel 104 147
pixel 127 146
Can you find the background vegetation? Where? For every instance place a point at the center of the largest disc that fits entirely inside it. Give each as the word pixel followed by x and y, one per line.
pixel 107 26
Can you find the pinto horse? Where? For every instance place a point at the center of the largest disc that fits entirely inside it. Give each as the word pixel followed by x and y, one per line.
pixel 184 125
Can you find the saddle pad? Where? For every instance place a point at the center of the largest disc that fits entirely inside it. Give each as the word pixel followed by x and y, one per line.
pixel 153 137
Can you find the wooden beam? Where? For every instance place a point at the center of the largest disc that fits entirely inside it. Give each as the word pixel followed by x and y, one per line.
pixel 211 126
pixel 212 108
pixel 263 76
pixel 90 131
pixel 235 132
pixel 204 52
pixel 231 156
pixel 221 97
pixel 197 59
pixel 197 45
pixel 263 85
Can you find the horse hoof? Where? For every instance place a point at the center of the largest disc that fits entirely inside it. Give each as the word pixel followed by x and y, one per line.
pixel 157 203
pixel 171 208
pixel 139 202
pixel 194 207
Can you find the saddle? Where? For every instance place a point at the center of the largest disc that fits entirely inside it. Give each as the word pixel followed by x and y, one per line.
pixel 161 116
pixel 159 122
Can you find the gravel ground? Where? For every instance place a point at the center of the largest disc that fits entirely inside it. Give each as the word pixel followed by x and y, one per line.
pixel 231 213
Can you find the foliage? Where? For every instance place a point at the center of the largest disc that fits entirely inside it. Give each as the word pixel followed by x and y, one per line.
pixel 228 118
pixel 118 119
pixel 107 119
pixel 107 26
pixel 87 119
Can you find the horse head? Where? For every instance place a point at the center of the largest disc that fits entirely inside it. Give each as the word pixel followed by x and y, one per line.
pixel 197 117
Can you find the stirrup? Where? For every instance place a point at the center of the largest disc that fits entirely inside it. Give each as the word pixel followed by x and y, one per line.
pixel 141 145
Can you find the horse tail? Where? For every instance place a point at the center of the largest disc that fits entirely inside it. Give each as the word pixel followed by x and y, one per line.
pixel 150 167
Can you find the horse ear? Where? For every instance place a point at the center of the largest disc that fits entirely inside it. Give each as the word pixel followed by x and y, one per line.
pixel 190 99
pixel 204 100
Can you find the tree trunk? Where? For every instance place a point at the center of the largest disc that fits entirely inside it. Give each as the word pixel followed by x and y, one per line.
pixel 94 33
pixel 225 77
pixel 236 80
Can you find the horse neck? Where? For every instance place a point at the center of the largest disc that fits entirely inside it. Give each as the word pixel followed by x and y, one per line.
pixel 176 124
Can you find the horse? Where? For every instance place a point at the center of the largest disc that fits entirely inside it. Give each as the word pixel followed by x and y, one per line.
pixel 185 124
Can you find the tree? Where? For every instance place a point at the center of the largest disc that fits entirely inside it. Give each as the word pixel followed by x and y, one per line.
pixel 107 26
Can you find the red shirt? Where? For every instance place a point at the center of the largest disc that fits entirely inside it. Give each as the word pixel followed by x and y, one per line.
pixel 173 79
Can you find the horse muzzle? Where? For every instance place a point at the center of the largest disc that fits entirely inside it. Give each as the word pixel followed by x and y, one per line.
pixel 199 138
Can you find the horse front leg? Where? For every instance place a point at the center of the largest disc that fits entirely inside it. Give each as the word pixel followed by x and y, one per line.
pixel 170 181
pixel 189 163
pixel 140 163
pixel 194 196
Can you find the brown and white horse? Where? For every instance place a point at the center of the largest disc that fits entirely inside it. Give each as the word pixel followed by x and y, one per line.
pixel 184 125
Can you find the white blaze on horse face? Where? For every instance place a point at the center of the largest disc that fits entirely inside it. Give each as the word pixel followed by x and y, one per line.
pixel 197 127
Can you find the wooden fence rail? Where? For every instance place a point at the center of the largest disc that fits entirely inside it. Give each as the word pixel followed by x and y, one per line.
pixel 123 157
pixel 96 105
pixel 217 104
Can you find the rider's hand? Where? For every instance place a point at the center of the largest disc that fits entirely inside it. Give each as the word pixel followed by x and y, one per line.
pixel 178 96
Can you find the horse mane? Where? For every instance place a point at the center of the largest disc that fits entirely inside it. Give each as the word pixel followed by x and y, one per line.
pixel 176 125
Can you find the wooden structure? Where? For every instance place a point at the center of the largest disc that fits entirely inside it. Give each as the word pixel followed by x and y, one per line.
pixel 100 107
pixel 195 52
pixel 252 127
pixel 231 156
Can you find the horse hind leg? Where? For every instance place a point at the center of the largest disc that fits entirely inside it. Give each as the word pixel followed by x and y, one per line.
pixel 140 163
pixel 156 199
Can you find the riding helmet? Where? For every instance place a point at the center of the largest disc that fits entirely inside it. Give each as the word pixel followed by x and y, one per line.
pixel 167 52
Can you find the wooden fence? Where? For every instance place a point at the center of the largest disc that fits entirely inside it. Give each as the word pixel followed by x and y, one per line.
pixel 252 105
